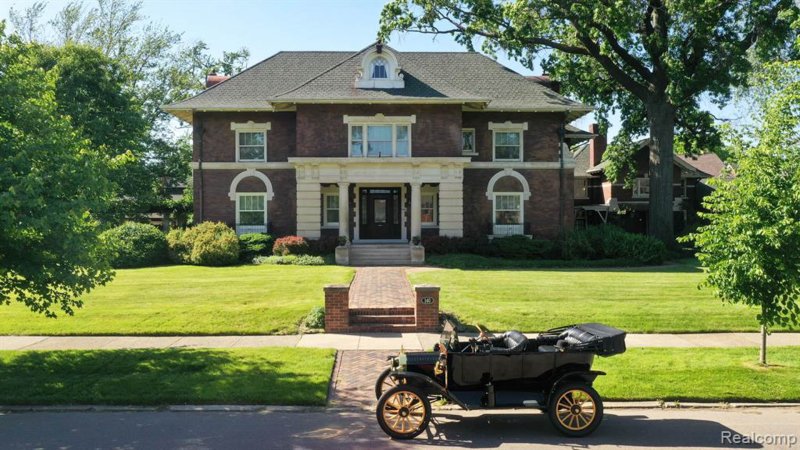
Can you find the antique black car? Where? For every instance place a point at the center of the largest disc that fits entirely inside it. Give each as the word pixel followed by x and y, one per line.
pixel 551 372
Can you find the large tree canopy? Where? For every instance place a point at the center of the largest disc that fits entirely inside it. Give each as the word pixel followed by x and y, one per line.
pixel 651 60
pixel 53 183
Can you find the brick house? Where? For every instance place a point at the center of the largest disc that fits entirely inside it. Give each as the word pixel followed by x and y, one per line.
pixel 382 146
pixel 599 200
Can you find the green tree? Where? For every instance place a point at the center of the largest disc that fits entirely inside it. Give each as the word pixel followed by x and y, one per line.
pixel 52 184
pixel 651 60
pixel 751 244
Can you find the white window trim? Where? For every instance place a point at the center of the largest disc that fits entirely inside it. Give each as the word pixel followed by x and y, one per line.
pixel 521 206
pixel 508 127
pixel 435 193
pixel 238 201
pixel 586 185
pixel 474 150
pixel 635 191
pixel 394 78
pixel 251 127
pixel 325 223
pixel 378 119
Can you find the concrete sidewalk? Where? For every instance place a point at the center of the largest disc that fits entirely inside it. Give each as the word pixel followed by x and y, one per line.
pixel 363 341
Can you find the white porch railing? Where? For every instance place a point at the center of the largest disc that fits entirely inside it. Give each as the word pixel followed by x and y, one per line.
pixel 508 229
pixel 245 229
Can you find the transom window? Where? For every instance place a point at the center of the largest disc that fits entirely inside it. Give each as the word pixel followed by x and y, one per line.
pixel 428 208
pixel 379 68
pixel 468 141
pixel 380 141
pixel 251 213
pixel 251 141
pixel 641 188
pixel 331 205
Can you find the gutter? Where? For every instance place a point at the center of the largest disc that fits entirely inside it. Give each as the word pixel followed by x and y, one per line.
pixel 201 190
pixel 561 132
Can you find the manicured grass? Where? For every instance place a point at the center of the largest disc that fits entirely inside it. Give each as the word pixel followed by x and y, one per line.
pixel 284 376
pixel 469 261
pixel 700 374
pixel 656 299
pixel 247 299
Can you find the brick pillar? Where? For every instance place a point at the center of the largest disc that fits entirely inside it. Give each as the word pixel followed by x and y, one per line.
pixel 337 308
pixel 427 307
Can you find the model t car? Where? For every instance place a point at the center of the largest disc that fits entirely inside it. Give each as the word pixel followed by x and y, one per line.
pixel 551 372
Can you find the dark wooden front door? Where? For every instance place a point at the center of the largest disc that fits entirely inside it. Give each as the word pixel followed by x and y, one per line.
pixel 380 213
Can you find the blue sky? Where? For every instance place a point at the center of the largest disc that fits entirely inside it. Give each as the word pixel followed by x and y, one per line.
pixel 266 27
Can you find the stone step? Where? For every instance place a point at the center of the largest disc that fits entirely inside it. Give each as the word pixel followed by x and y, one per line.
pixel 387 328
pixel 382 320
pixel 394 311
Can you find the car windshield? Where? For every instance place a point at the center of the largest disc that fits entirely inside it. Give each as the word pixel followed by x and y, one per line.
pixel 449 336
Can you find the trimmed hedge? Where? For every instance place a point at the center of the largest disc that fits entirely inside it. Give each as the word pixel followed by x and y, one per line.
pixel 254 244
pixel 296 260
pixel 207 244
pixel 610 242
pixel 135 244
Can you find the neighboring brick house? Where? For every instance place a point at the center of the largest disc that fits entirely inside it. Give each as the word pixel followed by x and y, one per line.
pixel 598 199
pixel 382 146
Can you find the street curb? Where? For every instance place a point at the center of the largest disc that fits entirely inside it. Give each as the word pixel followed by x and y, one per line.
pixel 318 409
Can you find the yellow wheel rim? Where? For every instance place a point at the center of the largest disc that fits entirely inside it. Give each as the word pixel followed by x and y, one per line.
pixel 391 381
pixel 575 410
pixel 404 412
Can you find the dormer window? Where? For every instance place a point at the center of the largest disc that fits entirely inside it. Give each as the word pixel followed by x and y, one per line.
pixel 379 68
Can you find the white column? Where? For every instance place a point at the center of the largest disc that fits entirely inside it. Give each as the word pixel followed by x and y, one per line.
pixel 416 204
pixel 344 209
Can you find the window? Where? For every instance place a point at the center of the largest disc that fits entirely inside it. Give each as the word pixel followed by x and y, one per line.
pixel 468 141
pixel 251 141
pixel 507 145
pixel 251 213
pixel 428 208
pixel 379 68
pixel 641 188
pixel 581 188
pixel 383 138
pixel 507 214
pixel 331 204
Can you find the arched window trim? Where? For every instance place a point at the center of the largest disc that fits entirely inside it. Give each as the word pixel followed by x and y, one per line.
pixel 526 190
pixel 250 173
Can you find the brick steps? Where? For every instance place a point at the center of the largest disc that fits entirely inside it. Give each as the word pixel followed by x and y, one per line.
pixel 396 311
pixel 397 319
pixel 385 328
pixel 382 320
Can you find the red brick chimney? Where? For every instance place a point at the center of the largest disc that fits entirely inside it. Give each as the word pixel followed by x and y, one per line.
pixel 214 79
pixel 597 145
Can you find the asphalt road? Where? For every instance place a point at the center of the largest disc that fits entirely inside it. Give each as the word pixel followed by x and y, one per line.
pixel 331 430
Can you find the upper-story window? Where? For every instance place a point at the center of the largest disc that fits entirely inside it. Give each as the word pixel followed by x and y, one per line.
pixel 379 136
pixel 641 188
pixel 468 141
pixel 251 141
pixel 380 68
pixel 507 140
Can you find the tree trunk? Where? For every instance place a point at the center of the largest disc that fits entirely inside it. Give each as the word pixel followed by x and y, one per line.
pixel 661 119
pixel 762 354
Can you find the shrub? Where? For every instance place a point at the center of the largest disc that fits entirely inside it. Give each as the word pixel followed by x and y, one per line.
pixel 213 244
pixel 135 245
pixel 322 246
pixel 254 244
pixel 608 241
pixel 521 247
pixel 315 319
pixel 298 260
pixel 290 245
pixel 178 250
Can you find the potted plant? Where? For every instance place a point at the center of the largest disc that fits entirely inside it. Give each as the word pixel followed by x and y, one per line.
pixel 343 251
pixel 417 251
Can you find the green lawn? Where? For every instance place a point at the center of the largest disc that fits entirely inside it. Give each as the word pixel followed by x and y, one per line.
pixel 708 374
pixel 247 299
pixel 282 376
pixel 657 299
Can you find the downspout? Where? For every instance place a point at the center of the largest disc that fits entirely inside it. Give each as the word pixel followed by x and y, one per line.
pixel 201 200
pixel 561 132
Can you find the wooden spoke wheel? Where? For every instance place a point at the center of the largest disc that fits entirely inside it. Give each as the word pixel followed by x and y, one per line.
pixel 575 409
pixel 403 412
pixel 386 381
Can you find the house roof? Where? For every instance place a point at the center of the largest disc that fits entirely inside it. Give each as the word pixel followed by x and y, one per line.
pixel 467 78
pixel 581 155
pixel 708 163
pixel 685 163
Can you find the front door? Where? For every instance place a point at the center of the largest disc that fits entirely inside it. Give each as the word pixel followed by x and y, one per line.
pixel 380 213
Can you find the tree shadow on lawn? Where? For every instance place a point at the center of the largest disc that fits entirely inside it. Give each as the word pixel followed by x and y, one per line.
pixel 493 430
pixel 160 377
pixel 475 262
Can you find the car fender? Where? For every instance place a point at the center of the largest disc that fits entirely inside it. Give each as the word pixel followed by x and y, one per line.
pixel 430 385
pixel 585 376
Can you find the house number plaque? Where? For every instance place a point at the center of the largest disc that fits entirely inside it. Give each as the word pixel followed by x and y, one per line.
pixel 426 300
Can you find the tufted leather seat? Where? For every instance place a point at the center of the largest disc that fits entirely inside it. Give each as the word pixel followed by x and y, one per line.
pixel 510 342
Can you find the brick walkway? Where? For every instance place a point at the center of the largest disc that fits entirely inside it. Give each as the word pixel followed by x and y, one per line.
pixel 381 287
pixel 354 375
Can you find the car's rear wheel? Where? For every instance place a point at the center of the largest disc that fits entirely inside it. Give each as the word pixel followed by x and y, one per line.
pixel 386 381
pixel 403 412
pixel 575 409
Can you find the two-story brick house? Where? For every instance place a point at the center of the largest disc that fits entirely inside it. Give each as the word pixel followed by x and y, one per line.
pixel 382 146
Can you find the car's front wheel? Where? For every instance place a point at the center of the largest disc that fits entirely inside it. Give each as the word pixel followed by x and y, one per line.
pixel 386 381
pixel 403 412
pixel 575 409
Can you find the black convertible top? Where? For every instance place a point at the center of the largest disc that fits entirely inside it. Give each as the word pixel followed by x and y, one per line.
pixel 594 337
